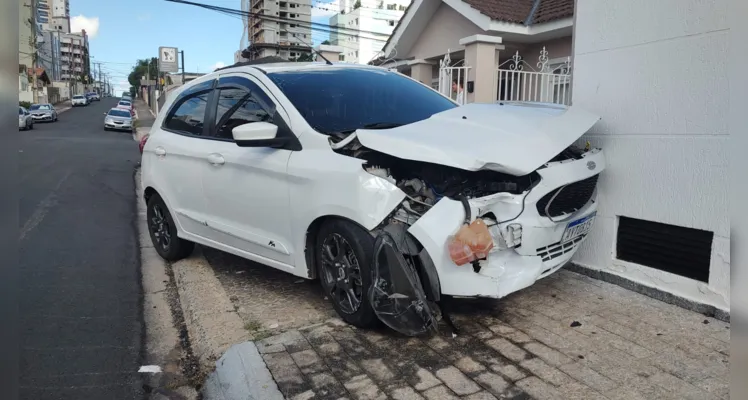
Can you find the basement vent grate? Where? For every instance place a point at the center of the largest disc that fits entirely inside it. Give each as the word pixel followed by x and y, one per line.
pixel 674 249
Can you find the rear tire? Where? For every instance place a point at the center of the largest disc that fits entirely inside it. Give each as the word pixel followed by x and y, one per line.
pixel 163 232
pixel 343 255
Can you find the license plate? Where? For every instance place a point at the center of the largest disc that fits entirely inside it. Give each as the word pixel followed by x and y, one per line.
pixel 578 228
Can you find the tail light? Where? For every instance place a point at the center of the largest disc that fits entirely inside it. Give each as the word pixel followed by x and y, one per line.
pixel 142 143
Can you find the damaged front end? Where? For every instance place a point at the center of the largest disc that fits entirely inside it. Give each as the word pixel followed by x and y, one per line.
pixel 480 228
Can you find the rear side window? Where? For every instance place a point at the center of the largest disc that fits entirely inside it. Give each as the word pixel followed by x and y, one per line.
pixel 189 115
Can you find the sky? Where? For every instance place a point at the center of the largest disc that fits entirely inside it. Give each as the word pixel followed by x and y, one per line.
pixel 120 32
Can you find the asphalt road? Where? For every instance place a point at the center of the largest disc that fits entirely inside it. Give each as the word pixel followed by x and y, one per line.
pixel 80 306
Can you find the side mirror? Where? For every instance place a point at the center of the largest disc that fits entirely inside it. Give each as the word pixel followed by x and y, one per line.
pixel 258 134
pixel 105 113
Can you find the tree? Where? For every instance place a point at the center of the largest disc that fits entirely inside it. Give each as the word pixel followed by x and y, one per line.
pixel 147 68
pixel 325 42
pixel 357 5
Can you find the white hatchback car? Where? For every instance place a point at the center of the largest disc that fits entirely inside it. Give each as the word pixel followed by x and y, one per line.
pixel 361 176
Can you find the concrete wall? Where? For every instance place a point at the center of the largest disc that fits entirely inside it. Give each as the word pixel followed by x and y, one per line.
pixel 655 71
pixel 444 31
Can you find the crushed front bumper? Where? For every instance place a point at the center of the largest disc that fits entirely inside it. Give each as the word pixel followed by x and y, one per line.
pixel 541 251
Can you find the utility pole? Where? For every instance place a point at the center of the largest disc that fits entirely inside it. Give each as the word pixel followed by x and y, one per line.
pixel 34 51
pixel 99 78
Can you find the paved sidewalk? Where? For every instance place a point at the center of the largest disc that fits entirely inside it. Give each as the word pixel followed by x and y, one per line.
pixel 144 119
pixel 567 337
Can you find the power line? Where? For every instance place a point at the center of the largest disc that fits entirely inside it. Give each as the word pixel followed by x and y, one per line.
pixel 303 24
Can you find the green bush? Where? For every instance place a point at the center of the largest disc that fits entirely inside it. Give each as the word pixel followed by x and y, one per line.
pixel 24 104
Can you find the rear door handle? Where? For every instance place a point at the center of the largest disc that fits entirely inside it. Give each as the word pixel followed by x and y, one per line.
pixel 216 159
pixel 160 151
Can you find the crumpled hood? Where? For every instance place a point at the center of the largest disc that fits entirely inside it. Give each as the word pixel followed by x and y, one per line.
pixel 512 138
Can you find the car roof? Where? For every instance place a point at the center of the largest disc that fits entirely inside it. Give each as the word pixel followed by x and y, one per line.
pixel 293 66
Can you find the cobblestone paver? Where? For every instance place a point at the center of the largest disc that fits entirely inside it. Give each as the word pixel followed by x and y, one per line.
pixel 567 337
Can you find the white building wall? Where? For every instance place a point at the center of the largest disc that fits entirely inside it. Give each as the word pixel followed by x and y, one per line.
pixel 655 71
pixel 363 31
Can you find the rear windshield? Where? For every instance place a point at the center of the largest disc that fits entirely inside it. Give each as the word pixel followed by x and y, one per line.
pixel 345 99
pixel 119 113
pixel 78 97
pixel 40 107
pixel 124 103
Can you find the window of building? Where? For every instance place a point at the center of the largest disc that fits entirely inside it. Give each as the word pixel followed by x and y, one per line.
pixel 392 23
pixel 391 6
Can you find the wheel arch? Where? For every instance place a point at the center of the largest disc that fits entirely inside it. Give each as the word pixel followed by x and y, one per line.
pixel 310 238
pixel 424 264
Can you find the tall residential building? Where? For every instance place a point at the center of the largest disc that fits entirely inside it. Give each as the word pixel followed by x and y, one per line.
pixel 362 28
pixel 277 28
pixel 74 57
pixel 59 18
pixel 48 50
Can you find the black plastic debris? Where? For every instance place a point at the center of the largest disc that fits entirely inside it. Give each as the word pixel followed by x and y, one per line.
pixel 396 294
pixel 706 321
pixel 575 324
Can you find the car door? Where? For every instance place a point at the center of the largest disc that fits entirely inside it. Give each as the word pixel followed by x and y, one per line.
pixel 178 158
pixel 246 187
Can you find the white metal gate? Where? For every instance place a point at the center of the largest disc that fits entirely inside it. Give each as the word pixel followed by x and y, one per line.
pixel 453 72
pixel 550 83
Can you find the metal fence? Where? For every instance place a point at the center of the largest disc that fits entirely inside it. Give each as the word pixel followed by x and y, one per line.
pixel 549 83
pixel 450 73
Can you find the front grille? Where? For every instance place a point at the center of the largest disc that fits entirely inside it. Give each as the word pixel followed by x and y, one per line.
pixel 569 198
pixel 558 249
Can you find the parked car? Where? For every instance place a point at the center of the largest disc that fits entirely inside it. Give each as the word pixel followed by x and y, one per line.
pixel 25 121
pixel 43 112
pixel 79 100
pixel 378 185
pixel 126 104
pixel 93 96
pixel 118 119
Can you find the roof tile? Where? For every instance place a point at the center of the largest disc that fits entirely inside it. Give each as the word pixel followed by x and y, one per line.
pixel 517 11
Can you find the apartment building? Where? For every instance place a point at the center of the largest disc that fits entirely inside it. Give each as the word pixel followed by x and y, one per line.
pixel 74 57
pixel 59 15
pixel 362 28
pixel 48 50
pixel 277 29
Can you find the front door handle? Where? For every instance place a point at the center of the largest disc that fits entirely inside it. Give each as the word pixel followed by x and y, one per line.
pixel 160 151
pixel 216 159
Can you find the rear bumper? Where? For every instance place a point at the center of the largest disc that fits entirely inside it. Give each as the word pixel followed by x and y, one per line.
pixel 541 251
pixel 42 118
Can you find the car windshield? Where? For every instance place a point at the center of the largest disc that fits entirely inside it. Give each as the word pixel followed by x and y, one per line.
pixel 345 99
pixel 40 107
pixel 78 97
pixel 119 113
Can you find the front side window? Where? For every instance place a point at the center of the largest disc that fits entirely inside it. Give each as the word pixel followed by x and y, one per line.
pixel 20 111
pixel 189 115
pixel 338 100
pixel 240 104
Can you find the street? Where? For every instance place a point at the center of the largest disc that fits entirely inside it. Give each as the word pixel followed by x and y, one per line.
pixel 80 305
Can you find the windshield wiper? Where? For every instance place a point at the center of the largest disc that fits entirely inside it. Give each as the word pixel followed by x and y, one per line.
pixel 382 125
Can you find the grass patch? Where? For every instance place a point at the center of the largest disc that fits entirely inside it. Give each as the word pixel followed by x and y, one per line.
pixel 261 335
pixel 252 325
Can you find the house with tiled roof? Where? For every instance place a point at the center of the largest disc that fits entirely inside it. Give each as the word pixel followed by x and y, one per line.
pixel 497 49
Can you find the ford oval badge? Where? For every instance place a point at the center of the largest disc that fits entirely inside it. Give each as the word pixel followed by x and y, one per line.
pixel 591 165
